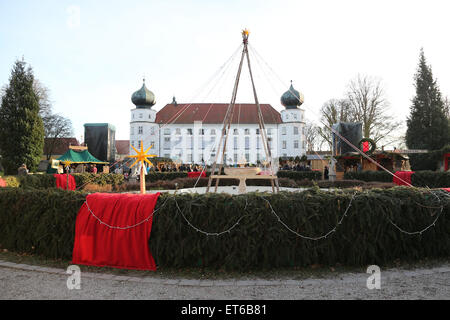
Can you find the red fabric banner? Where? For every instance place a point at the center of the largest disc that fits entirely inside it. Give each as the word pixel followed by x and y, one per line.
pixel 196 174
pixel 2 183
pixel 404 175
pixel 446 189
pixel 61 181
pixel 102 245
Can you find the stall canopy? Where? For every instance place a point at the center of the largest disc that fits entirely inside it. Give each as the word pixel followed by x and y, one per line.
pixel 80 157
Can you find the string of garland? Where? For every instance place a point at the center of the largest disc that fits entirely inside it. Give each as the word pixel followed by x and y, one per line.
pixel 441 207
pixel 307 237
pixel 211 233
pixel 427 227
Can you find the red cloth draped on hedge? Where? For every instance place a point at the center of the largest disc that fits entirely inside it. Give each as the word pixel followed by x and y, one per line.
pixel 97 244
pixel 404 175
pixel 196 174
pixel 61 181
pixel 446 189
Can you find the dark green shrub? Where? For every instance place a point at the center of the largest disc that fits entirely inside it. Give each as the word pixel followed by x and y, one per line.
pixel 43 221
pixel 38 181
pixel 156 176
pixel 98 178
pixel 431 179
pixel 381 176
pixel 299 175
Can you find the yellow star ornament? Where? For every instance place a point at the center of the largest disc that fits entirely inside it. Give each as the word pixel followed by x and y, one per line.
pixel 66 163
pixel 141 155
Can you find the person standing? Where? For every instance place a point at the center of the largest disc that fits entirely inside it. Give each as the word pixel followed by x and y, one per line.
pixel 22 171
pixel 325 173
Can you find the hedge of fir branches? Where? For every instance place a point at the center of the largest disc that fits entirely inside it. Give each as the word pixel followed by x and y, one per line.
pixel 43 222
pixel 380 176
pixel 44 181
pixel 430 179
pixel 299 175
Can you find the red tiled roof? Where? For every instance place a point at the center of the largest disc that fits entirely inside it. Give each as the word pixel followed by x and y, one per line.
pixel 123 146
pixel 215 113
pixel 58 146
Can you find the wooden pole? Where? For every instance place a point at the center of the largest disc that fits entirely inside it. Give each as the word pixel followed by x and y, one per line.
pixel 226 127
pixel 262 127
pixel 142 179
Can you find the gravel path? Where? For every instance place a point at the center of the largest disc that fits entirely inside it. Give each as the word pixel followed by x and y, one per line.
pixel 19 281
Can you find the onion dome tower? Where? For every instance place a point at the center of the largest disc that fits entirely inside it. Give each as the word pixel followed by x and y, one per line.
pixel 292 99
pixel 143 128
pixel 292 139
pixel 143 98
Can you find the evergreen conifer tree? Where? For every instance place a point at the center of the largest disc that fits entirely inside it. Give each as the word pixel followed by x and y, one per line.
pixel 427 125
pixel 21 127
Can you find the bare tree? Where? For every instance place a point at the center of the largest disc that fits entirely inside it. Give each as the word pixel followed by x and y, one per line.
pixel 312 136
pixel 43 94
pixel 370 107
pixel 333 111
pixel 55 125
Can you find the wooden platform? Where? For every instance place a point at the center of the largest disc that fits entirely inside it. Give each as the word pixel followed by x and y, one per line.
pixel 242 178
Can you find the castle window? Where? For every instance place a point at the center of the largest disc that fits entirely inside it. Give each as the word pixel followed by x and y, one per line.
pixel 247 131
pixel 167 143
pixel 295 144
pixel 189 132
pixel 283 130
pixel 140 115
pixel 235 131
pixel 284 144
pixel 167 131
pixel 213 132
pixel 295 130
pixel 140 130
pixel 177 131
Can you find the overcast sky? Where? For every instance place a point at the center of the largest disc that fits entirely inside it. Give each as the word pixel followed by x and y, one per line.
pixel 92 55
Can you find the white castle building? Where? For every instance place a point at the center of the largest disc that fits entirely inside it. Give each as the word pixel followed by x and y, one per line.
pixel 191 132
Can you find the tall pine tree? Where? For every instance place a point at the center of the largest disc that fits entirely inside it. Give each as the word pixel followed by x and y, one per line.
pixel 21 127
pixel 428 127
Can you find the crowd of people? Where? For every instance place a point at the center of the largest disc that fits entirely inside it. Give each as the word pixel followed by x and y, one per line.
pixel 296 167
